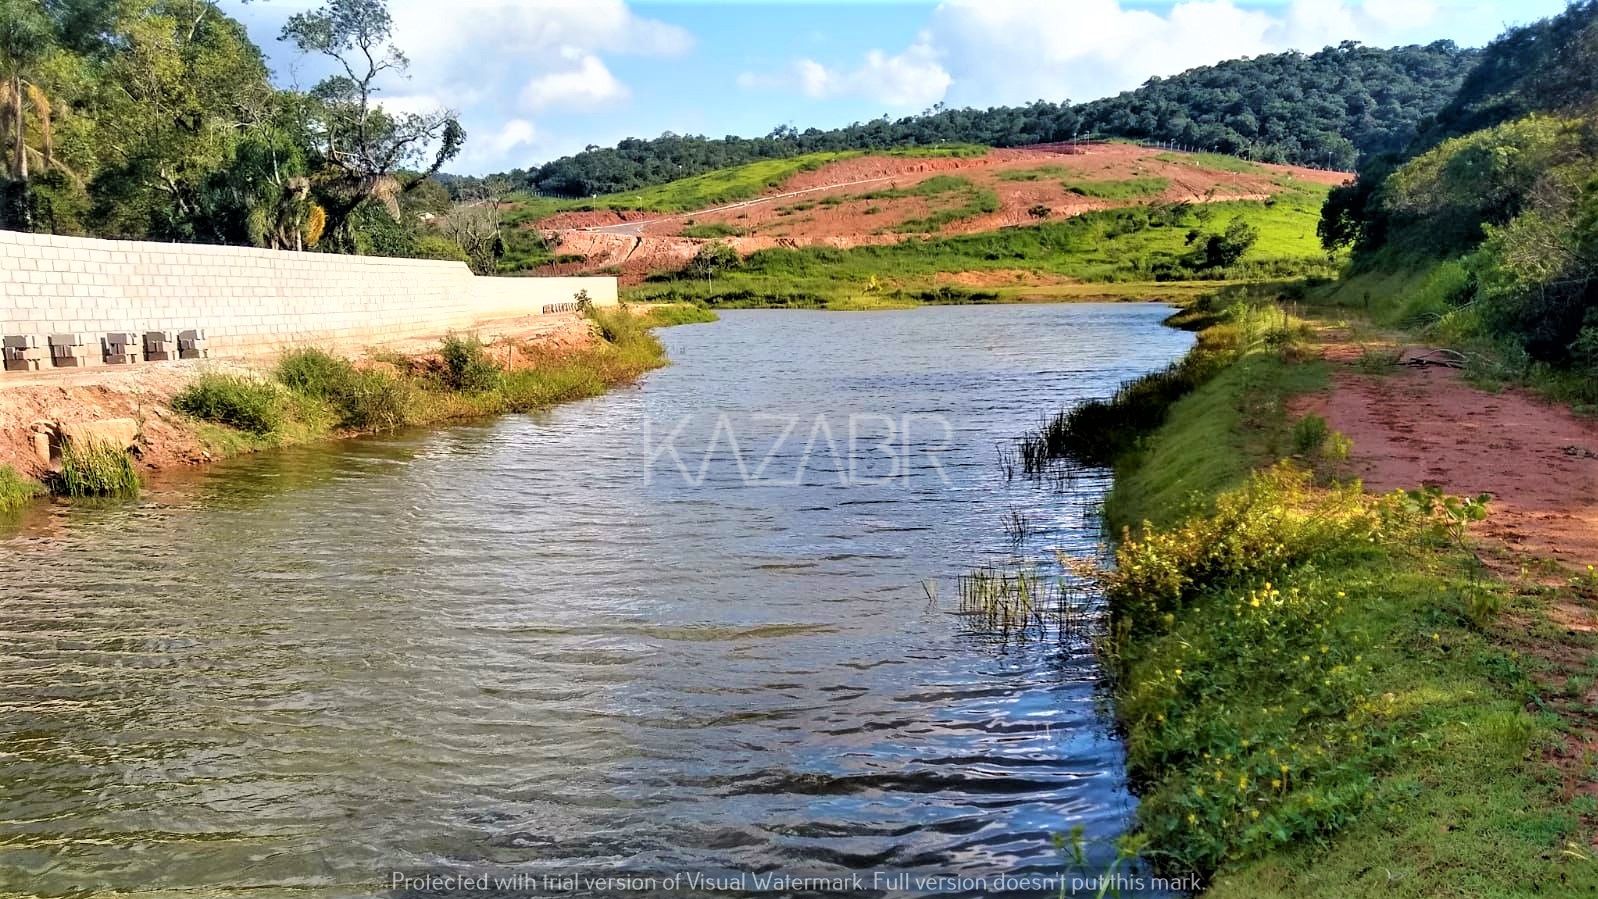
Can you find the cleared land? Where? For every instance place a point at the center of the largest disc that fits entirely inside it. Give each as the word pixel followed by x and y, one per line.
pixel 854 200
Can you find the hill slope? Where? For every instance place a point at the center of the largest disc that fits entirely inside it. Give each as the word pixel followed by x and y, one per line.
pixel 1323 109
pixel 842 201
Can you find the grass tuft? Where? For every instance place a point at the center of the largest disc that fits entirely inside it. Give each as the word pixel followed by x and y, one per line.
pixel 17 491
pixel 96 469
pixel 238 402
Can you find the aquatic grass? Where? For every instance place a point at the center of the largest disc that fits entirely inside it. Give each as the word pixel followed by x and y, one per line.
pixel 1021 605
pixel 16 491
pixel 95 470
pixel 667 315
pixel 239 402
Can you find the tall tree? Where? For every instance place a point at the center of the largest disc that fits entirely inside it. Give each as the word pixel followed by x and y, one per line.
pixel 365 146
pixel 26 37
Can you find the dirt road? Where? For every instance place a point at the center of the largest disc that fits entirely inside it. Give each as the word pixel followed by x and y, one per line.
pixel 1539 461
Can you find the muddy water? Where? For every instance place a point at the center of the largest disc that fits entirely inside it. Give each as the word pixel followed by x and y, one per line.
pixel 580 645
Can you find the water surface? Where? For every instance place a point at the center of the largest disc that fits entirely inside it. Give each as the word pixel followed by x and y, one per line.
pixel 519 648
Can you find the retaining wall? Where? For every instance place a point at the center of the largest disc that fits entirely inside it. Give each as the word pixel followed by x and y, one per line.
pixel 253 302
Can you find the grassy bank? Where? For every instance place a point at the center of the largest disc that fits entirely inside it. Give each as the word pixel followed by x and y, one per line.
pixel 1136 244
pixel 1317 694
pixel 312 395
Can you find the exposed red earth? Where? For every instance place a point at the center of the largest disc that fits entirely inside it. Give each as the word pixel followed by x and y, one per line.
pixel 829 206
pixel 1538 460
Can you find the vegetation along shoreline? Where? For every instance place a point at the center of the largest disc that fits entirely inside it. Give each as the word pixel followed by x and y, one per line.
pixel 312 394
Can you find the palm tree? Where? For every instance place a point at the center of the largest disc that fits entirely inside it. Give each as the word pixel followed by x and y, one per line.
pixel 25 39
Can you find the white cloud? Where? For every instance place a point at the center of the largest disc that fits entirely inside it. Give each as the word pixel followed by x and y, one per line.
pixel 908 80
pixel 494 62
pixel 985 52
pixel 588 84
pixel 514 133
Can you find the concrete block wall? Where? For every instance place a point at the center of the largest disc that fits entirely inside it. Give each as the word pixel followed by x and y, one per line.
pixel 254 302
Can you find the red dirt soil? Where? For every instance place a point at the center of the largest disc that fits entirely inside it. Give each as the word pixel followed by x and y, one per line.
pixel 1538 461
pixel 847 219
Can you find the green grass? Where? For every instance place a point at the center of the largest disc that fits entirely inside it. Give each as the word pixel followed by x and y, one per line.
pixel 710 230
pixel 1309 709
pixel 318 394
pixel 1215 162
pixel 96 470
pixel 1119 189
pixel 1040 173
pixel 17 491
pixel 716 188
pixel 937 151
pixel 1121 245
pixel 239 402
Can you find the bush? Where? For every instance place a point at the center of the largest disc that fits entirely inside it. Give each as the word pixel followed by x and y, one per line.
pixel 1310 434
pixel 242 403
pixel 1276 520
pixel 16 491
pixel 314 372
pixel 467 367
pixel 368 401
pixel 96 470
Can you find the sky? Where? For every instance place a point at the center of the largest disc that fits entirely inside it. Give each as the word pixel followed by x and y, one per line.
pixel 532 80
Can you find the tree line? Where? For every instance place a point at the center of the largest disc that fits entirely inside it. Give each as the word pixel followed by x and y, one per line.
pixel 157 119
pixel 1328 108
pixel 1499 191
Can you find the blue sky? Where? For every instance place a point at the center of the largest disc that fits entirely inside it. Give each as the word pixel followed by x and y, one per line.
pixel 537 79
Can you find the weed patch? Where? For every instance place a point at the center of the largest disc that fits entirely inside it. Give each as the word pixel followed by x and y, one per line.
pixel 242 403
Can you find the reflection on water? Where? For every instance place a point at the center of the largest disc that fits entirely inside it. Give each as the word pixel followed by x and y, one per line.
pixel 518 649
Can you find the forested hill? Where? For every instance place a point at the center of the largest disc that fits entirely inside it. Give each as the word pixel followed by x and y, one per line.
pixel 1325 108
pixel 1495 207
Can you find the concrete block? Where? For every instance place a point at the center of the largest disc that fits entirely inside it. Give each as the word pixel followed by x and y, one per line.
pixel 160 346
pixel 120 348
pixel 68 350
pixel 191 344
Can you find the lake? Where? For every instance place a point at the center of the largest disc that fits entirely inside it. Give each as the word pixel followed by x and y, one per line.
pixel 703 628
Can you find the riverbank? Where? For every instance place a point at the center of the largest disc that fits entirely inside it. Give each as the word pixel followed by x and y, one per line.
pixel 199 412
pixel 1323 691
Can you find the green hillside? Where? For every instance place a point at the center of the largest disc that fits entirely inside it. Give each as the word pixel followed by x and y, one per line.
pixel 1330 107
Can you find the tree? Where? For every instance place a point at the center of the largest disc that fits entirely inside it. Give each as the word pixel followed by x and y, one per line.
pixel 364 146
pixel 711 258
pixel 26 36
pixel 473 224
pixel 1226 248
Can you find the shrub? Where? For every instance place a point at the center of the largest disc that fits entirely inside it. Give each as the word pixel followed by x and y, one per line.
pixel 467 367
pixel 1277 519
pixel 16 491
pixel 369 401
pixel 1309 435
pixel 314 372
pixel 373 401
pixel 242 403
pixel 96 469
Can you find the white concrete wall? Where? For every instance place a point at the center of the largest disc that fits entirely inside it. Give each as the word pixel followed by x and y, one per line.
pixel 254 302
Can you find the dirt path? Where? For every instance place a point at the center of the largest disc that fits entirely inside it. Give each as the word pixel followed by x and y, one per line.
pixel 1427 426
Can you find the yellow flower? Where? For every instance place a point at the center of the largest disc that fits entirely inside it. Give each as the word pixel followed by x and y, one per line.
pixel 1253 813
pixel 1199 792
pixel 1276 783
pixel 1192 818
pixel 1242 782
